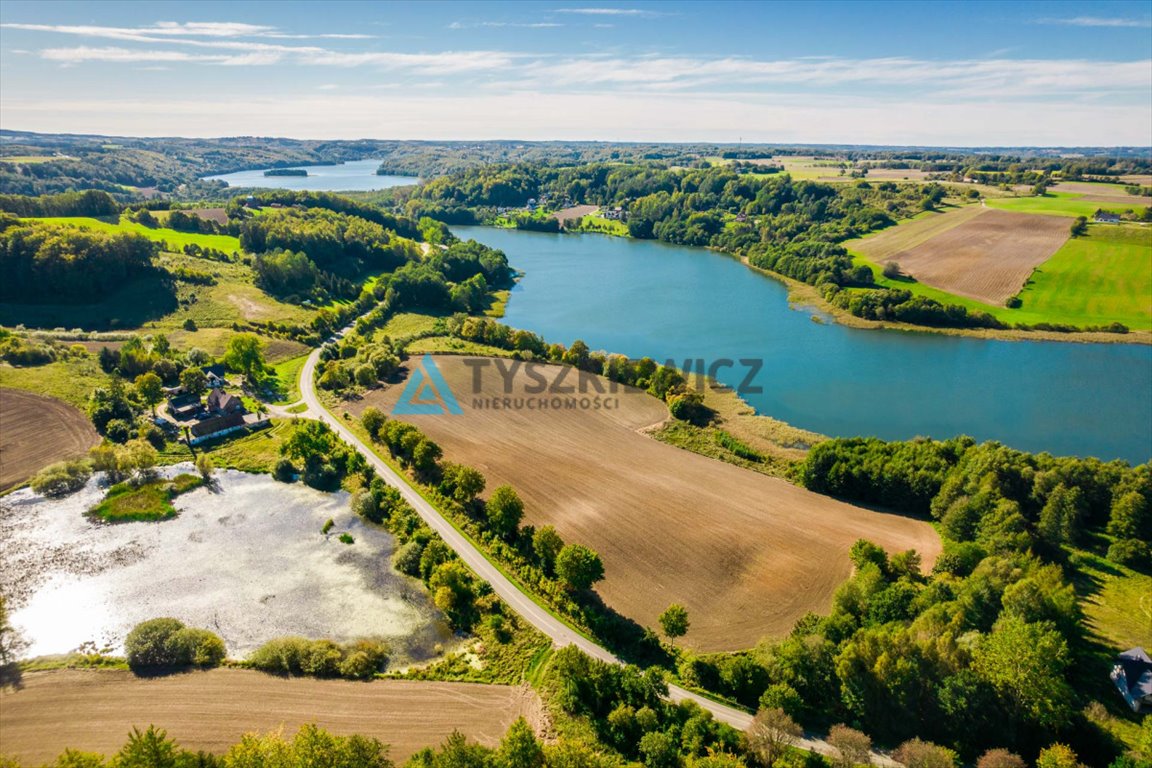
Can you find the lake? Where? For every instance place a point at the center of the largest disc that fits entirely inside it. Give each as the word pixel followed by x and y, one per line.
pixel 354 176
pixel 245 559
pixel 646 298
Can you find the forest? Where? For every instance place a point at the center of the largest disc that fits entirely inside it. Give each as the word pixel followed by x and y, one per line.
pixel 46 263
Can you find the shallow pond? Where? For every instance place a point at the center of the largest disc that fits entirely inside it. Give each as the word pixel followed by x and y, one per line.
pixel 245 559
pixel 357 175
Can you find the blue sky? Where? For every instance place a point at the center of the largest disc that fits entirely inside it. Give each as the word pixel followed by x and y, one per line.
pixel 930 73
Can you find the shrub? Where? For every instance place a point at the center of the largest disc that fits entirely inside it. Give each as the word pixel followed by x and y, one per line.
pixel 347 538
pixel 118 431
pixel 407 558
pixel 284 471
pixel 61 478
pixel 1130 552
pixel 328 526
pixel 320 658
pixel 198 647
pixel 190 325
pixel 166 642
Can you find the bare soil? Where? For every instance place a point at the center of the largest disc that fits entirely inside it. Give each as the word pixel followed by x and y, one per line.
pixel 94 710
pixel 988 257
pixel 747 554
pixel 36 431
pixel 575 212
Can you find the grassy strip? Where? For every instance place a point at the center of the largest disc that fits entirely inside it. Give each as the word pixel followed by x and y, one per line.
pixel 152 500
pixel 70 380
pixel 287 384
pixel 175 239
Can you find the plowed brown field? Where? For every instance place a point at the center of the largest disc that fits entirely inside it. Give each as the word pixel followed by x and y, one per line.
pixel 746 553
pixel 36 431
pixel 94 710
pixel 988 257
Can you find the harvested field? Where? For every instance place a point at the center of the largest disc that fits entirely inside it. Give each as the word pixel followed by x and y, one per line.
pixel 1101 193
pixel 989 257
pixel 575 212
pixel 36 431
pixel 746 553
pixel 94 710
pixel 884 245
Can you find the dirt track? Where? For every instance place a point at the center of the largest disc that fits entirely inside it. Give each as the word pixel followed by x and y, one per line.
pixel 94 710
pixel 747 554
pixel 36 431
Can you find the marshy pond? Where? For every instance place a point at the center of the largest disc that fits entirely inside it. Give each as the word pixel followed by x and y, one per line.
pixel 245 558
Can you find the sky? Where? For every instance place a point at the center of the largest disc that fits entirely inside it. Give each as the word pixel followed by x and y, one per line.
pixel 894 73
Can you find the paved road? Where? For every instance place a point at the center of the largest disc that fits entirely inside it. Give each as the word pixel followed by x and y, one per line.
pixel 509 592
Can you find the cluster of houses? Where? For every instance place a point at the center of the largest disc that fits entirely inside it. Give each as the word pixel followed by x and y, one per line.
pixel 208 417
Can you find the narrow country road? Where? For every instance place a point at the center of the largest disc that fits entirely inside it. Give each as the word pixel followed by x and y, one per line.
pixel 509 592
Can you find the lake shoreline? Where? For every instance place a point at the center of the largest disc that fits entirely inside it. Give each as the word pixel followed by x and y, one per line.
pixel 1034 397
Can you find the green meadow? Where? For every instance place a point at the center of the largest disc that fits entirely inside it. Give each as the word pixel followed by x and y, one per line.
pixel 175 240
pixel 1062 204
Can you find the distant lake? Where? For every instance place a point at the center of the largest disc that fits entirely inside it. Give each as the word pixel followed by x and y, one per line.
pixel 355 176
pixel 668 302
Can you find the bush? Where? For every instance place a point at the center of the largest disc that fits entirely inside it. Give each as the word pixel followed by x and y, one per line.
pixel 198 647
pixel 167 643
pixel 407 558
pixel 118 431
pixel 61 478
pixel 1130 552
pixel 284 471
pixel 320 658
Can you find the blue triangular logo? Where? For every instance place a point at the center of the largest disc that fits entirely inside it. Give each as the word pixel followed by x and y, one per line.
pixel 426 393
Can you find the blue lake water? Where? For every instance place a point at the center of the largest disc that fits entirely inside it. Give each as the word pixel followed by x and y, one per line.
pixel 671 302
pixel 357 176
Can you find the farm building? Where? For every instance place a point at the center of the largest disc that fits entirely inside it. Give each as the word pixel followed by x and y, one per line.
pixel 1132 674
pixel 215 374
pixel 223 403
pixel 1104 217
pixel 182 407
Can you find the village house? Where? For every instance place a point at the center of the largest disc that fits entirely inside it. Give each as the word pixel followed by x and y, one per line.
pixel 1106 217
pixel 1132 674
pixel 223 403
pixel 183 406
pixel 215 375
pixel 615 214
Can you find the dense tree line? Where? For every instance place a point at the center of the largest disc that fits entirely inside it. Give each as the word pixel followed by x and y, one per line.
pixel 46 263
pixel 90 202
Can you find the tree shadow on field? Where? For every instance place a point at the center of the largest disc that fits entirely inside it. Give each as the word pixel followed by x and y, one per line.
pixel 131 306
pixel 621 635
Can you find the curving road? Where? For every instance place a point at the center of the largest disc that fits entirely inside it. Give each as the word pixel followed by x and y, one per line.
pixel 510 592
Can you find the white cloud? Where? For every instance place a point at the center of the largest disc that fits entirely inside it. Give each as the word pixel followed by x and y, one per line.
pixel 1098 21
pixel 177 32
pixel 499 24
pixel 611 11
